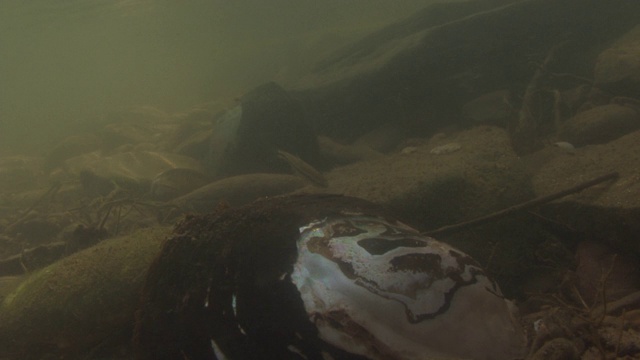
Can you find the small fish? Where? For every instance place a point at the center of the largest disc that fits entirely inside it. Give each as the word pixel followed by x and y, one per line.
pixel 302 169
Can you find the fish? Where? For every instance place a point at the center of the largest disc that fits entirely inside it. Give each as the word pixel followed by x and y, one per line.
pixel 303 169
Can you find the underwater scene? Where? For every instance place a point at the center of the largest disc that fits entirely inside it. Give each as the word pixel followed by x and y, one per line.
pixel 320 180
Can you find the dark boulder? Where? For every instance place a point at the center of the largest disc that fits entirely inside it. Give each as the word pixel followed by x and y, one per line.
pixel 246 139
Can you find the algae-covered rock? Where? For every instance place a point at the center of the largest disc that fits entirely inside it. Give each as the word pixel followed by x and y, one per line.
pixel 600 125
pixel 618 68
pixel 81 303
pixel 431 190
pixel 238 190
pixel 610 211
pixel 481 175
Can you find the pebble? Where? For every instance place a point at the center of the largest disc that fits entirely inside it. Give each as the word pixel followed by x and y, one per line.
pixel 446 149
pixel 566 146
pixel 409 150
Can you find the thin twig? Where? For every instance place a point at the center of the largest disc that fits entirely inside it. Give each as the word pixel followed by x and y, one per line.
pixel 50 193
pixel 105 217
pixel 524 128
pixel 603 289
pixel 117 226
pixel 630 301
pixel 522 206
pixel 619 340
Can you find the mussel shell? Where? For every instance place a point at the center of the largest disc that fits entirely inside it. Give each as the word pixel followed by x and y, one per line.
pixel 382 290
pixel 318 276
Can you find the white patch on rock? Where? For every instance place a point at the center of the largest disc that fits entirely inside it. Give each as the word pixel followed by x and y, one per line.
pixel 446 149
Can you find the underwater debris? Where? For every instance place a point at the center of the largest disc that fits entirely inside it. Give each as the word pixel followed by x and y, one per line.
pixel 311 276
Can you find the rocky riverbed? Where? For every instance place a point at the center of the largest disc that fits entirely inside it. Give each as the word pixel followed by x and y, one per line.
pixel 88 216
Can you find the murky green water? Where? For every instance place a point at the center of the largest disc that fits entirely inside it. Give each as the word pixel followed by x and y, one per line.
pixel 65 64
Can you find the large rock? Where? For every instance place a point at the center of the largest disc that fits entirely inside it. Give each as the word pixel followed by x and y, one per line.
pixel 246 138
pixel 433 187
pixel 192 137
pixel 135 125
pixel 83 302
pixel 618 68
pixel 609 212
pixel 491 108
pixel 451 179
pixel 69 147
pixel 237 190
pixel 600 125
pixel 19 173
pixel 336 153
pixel 135 169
